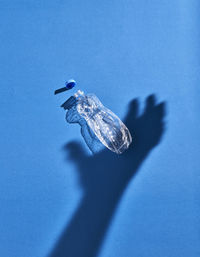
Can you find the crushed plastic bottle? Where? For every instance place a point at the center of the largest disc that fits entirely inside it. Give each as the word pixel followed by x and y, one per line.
pixel 98 124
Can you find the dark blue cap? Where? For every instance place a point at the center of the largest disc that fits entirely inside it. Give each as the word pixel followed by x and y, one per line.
pixel 68 85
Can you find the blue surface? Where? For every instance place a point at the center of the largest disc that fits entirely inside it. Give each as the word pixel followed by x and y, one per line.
pixel 120 51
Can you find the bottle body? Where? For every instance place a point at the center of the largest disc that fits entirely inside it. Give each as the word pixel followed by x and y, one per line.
pixel 107 127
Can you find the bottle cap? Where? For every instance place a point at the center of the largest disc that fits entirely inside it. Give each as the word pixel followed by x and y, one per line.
pixel 68 85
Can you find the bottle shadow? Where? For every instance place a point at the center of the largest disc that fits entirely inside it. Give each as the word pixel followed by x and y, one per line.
pixel 104 177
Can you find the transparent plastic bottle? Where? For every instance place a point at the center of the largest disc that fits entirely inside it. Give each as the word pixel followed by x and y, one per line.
pixel 98 124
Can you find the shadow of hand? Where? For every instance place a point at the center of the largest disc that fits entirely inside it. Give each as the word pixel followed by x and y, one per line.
pixel 104 177
pixel 146 131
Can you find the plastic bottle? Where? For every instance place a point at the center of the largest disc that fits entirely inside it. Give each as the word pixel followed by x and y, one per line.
pixel 98 124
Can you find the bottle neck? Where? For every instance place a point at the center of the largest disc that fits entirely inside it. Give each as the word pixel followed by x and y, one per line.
pixel 79 93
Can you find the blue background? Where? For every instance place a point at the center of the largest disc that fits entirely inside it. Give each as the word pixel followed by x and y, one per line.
pixel 119 50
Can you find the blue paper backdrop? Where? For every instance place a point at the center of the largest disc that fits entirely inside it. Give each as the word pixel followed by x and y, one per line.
pixel 119 50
